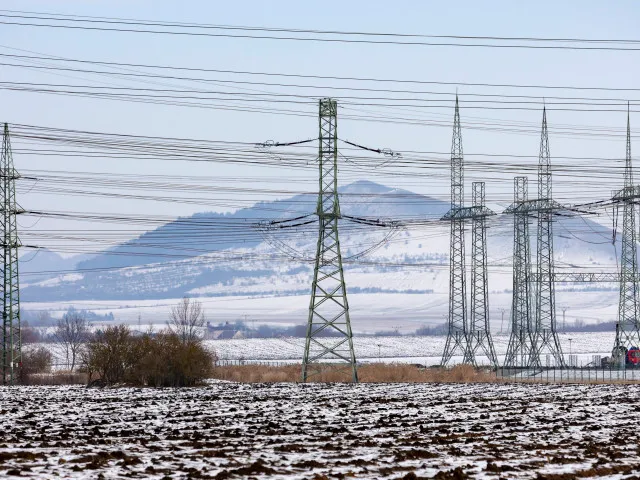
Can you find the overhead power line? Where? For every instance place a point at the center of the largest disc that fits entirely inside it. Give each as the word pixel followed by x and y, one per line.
pixel 324 36
pixel 101 19
pixel 316 77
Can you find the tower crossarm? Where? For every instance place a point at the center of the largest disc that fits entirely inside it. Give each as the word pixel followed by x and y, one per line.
pixel 581 277
pixel 467 213
pixel 627 193
pixel 538 205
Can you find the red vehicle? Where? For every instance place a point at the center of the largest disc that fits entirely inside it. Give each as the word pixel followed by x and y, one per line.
pixel 633 356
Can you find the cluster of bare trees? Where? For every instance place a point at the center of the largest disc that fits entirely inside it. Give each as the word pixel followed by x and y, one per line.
pixel 175 356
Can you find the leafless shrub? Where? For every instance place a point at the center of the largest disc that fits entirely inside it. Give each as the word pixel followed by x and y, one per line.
pixel 34 360
pixel 116 356
pixel 170 361
pixel 109 354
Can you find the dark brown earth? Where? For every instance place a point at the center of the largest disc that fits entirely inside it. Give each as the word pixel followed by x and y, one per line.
pixel 395 431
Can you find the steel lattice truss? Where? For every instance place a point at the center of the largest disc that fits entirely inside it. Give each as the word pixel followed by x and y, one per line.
pixel 457 324
pixel 546 336
pixel 11 341
pixel 542 323
pixel 521 352
pixel 628 334
pixel 329 339
pixel 479 334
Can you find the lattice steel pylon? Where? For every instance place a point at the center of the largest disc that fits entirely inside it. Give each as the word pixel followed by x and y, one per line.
pixel 11 335
pixel 457 323
pixel 546 336
pixel 520 352
pixel 628 325
pixel 479 332
pixel 329 339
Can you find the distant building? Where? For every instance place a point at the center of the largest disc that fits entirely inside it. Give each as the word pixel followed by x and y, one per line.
pixel 222 332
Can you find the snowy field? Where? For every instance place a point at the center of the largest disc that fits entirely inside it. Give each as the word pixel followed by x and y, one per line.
pixel 408 349
pixel 425 350
pixel 369 312
pixel 390 431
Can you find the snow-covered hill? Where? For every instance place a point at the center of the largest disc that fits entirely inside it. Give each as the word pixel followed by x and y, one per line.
pixel 39 264
pixel 414 259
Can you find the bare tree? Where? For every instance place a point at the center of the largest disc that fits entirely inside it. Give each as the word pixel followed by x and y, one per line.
pixel 72 331
pixel 187 320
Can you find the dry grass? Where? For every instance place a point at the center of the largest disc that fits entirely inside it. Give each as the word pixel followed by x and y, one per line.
pixel 369 373
pixel 56 378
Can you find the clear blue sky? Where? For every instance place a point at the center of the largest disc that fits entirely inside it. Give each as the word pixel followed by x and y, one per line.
pixel 583 19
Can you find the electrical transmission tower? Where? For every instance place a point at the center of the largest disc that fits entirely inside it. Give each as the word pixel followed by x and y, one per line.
pixel 479 334
pixel 628 328
pixel 546 336
pixel 466 337
pixel 329 340
pixel 11 341
pixel 543 331
pixel 457 324
pixel 520 352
